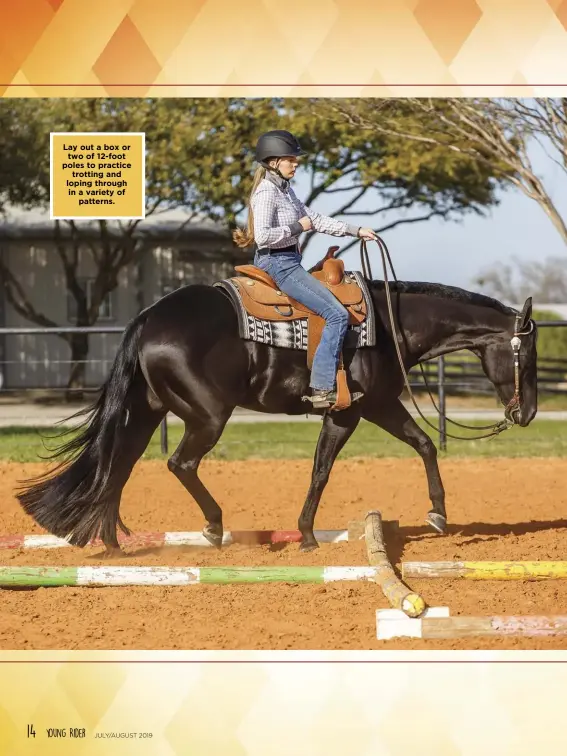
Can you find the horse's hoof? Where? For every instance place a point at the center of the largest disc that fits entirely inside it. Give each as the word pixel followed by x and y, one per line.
pixel 213 536
pixel 113 552
pixel 437 521
pixel 309 546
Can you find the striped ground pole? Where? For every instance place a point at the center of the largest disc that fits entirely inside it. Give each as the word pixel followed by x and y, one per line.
pixel 437 624
pixel 166 576
pixel 519 570
pixel 189 538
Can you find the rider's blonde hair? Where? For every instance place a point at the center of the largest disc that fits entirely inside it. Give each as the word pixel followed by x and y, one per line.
pixel 245 237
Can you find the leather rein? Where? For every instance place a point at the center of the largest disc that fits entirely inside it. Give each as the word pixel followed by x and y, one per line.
pixel 514 405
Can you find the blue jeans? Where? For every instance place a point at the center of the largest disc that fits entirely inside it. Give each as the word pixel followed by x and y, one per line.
pixel 286 270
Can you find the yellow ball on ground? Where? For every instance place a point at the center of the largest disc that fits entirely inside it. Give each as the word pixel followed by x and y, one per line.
pixel 413 605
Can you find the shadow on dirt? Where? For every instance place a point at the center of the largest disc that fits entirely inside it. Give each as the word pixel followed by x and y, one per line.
pixel 473 532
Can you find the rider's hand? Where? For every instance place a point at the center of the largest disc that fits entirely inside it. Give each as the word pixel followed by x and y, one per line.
pixel 306 223
pixel 367 233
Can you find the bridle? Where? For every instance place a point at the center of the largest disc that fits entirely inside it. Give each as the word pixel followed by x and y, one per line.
pixel 512 409
pixel 514 405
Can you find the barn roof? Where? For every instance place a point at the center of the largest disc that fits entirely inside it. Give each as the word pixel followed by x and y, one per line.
pixel 174 224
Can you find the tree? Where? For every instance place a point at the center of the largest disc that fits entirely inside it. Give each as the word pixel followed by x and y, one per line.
pixel 494 133
pixel 544 281
pixel 175 163
pixel 22 147
pixel 387 182
pixel 368 175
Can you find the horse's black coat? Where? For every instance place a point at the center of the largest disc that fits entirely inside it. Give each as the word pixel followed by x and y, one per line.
pixel 184 355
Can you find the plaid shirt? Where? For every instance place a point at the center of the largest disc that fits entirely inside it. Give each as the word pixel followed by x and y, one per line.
pixel 277 211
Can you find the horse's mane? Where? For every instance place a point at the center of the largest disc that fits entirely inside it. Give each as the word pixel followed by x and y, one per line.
pixel 444 292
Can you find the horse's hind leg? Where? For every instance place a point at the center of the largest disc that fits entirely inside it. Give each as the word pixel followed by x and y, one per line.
pixel 397 420
pixel 199 438
pixel 336 431
pixel 144 416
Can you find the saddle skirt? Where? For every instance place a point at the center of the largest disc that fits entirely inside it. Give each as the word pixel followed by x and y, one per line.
pixel 269 316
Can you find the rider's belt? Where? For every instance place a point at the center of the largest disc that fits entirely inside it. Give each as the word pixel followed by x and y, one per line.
pixel 269 251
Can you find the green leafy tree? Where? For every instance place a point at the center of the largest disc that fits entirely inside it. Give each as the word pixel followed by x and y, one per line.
pixel 387 182
pixel 176 161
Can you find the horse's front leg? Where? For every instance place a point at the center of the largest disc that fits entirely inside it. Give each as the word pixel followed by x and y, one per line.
pixel 337 429
pixel 395 419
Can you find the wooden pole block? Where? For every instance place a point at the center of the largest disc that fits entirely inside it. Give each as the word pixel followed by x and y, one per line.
pixel 398 594
pixel 356 529
pixel 486 570
pixel 444 628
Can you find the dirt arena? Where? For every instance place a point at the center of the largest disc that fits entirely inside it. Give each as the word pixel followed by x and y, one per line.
pixel 498 509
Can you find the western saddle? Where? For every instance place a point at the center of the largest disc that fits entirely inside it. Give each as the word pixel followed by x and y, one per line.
pixel 262 299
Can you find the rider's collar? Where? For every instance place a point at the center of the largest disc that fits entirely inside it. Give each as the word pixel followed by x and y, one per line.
pixel 280 182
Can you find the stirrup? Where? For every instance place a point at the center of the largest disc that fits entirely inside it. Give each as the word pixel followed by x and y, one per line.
pixel 322 399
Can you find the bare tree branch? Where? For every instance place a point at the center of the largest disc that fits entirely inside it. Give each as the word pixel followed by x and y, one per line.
pixel 350 188
pixel 419 219
pixel 17 297
pixel 396 204
pixel 490 131
pixel 347 206
pixel 324 186
pixel 393 224
pixel 70 261
pixel 545 281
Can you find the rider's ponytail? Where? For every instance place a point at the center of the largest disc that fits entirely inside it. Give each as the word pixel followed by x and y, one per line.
pixel 244 238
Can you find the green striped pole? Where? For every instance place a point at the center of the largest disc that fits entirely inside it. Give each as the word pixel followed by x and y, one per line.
pixel 124 576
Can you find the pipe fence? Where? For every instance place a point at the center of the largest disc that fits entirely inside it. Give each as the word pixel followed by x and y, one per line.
pixel 449 375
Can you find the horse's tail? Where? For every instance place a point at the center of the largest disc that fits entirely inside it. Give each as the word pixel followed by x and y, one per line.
pixel 75 500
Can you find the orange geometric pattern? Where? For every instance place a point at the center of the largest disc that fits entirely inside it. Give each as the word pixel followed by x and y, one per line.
pixel 127 58
pixel 561 11
pixel 448 25
pixel 266 47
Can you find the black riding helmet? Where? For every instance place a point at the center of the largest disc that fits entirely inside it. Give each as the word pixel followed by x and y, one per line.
pixel 277 144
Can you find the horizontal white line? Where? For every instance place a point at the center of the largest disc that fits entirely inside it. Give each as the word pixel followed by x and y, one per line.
pixel 332 574
pixel 137 575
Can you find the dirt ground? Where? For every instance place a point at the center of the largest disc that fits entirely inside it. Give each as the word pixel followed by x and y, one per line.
pixel 498 509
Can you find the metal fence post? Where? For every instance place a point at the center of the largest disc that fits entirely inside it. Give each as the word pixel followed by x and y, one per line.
pixel 163 435
pixel 442 403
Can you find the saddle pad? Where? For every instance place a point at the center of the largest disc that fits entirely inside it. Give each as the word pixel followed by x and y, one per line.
pixel 292 334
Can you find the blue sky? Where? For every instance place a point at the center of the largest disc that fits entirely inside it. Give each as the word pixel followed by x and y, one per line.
pixel 453 253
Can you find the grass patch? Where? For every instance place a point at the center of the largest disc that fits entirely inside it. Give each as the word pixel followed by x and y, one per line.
pixel 545 438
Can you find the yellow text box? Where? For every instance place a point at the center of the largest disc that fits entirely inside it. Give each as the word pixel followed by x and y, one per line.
pixel 97 175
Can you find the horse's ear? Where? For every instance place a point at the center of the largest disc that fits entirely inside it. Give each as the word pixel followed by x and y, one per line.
pixel 526 314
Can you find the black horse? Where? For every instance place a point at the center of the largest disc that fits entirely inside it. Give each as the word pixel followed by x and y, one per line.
pixel 184 354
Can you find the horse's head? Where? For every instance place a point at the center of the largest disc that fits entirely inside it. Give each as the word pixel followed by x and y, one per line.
pixel 509 360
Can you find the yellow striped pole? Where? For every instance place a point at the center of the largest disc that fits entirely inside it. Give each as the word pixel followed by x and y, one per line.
pixel 486 570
